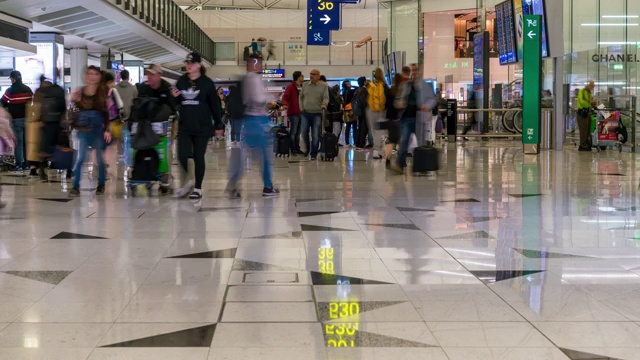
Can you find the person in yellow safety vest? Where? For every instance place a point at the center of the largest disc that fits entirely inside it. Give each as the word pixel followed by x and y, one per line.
pixel 585 101
pixel 376 105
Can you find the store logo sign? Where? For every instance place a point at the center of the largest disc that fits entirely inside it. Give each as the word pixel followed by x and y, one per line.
pixel 620 58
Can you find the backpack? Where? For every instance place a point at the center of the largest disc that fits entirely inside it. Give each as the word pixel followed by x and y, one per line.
pixel 334 102
pixel 358 103
pixel 235 103
pixel 52 105
pixel 145 165
pixel 144 108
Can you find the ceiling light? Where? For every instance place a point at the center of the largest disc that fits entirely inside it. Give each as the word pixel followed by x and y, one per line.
pixel 619 16
pixel 609 24
pixel 617 43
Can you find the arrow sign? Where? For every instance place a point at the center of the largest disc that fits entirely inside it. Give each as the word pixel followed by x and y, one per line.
pixel 325 19
pixel 531 83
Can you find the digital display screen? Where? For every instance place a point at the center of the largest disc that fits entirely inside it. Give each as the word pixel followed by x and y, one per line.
pixel 507 48
pixel 536 7
pixel 478 62
pixel 273 73
pixel 32 67
pixel 518 21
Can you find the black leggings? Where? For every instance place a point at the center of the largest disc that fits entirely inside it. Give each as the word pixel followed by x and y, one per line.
pixel 196 146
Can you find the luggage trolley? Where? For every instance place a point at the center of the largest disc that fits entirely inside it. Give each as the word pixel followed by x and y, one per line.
pixel 606 133
pixel 164 179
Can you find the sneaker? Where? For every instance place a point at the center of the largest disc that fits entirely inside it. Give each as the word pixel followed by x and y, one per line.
pixel 312 158
pixel 74 192
pixel 376 155
pixel 185 190
pixel 234 194
pixel 196 194
pixel 100 190
pixel 69 174
pixel 397 169
pixel 33 172
pixel 270 192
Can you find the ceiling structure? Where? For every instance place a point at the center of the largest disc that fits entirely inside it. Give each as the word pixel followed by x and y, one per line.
pixel 98 25
pixel 193 5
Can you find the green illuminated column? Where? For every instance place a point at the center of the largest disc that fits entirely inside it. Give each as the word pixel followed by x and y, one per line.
pixel 532 83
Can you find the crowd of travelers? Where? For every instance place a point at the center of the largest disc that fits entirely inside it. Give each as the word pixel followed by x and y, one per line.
pixel 48 129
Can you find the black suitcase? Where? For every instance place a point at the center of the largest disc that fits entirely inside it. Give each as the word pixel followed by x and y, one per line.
pixel 281 141
pixel 145 165
pixel 425 158
pixel 328 147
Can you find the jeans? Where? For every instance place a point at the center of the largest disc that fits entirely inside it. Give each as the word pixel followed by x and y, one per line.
pixel 347 132
pixel 313 122
pixel 337 129
pixel 236 129
pixel 363 131
pixel 374 119
pixel 408 127
pixel 258 140
pixel 94 138
pixel 17 126
pixel 126 146
pixel 295 132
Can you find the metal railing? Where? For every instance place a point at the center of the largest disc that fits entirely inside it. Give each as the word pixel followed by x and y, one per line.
pixel 298 53
pixel 168 18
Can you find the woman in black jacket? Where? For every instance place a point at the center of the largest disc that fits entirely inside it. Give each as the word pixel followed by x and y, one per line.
pixel 199 109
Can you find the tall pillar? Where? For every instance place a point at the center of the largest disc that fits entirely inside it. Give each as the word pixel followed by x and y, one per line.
pixel 79 60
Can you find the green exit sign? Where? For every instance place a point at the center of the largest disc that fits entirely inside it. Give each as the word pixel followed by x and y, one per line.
pixel 618 67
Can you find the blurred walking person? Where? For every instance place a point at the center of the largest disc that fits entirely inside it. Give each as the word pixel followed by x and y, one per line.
pixel 128 93
pixel 92 122
pixel 7 139
pixel 49 110
pixel 16 99
pixel 257 137
pixel 376 101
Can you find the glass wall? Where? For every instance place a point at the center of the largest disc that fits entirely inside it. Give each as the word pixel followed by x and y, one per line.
pixel 604 37
pixel 405 31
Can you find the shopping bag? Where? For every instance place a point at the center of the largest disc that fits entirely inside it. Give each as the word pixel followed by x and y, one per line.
pixel 413 142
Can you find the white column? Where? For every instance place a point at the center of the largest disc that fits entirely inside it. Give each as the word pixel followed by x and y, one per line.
pixel 79 58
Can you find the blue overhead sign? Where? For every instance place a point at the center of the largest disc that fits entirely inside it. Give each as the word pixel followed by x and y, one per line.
pixel 318 37
pixel 324 15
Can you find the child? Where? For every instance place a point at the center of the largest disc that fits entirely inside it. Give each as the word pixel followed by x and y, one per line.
pixel 7 139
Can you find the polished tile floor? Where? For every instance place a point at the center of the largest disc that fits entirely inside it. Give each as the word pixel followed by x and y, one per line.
pixel 499 256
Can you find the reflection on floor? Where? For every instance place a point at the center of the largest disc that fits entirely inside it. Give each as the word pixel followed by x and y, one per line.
pixel 498 256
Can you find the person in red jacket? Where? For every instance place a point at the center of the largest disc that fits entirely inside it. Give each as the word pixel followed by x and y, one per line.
pixel 291 102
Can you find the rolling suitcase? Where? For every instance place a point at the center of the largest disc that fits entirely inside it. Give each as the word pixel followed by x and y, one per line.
pixel 281 141
pixel 425 158
pixel 328 147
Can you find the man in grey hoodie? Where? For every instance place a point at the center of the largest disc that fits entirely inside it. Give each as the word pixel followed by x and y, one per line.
pixel 127 93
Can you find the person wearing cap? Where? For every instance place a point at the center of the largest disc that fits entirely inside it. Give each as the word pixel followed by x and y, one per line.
pixel 198 100
pixel 16 99
pixel 157 87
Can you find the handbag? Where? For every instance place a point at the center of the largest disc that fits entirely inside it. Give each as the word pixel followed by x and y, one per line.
pixel 584 112
pixel 62 158
pixel 6 146
pixel 116 129
pixel 145 137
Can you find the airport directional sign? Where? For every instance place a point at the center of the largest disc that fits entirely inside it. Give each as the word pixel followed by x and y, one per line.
pixel 318 37
pixel 324 15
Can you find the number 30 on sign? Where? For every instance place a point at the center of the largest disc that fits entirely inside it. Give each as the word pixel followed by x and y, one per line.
pixel 325 5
